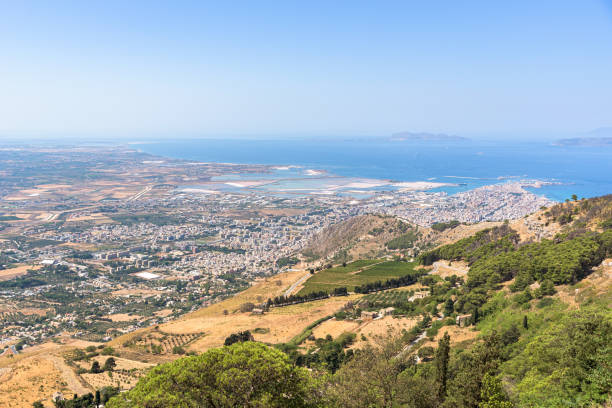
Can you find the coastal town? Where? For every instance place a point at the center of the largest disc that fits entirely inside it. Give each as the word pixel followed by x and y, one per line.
pixel 97 262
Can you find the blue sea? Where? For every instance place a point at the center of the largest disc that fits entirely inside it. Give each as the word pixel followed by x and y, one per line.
pixel 582 170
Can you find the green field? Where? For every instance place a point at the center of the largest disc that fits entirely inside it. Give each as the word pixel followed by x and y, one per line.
pixel 354 274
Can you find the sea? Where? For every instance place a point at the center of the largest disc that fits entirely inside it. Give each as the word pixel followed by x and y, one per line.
pixel 582 170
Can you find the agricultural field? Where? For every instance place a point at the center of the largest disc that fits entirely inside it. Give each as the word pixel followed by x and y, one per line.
pixel 125 375
pixel 385 298
pixel 354 274
pixel 159 342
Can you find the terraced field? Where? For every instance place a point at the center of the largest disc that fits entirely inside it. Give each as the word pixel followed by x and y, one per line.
pixel 354 274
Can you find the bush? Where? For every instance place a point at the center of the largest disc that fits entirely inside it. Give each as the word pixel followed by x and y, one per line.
pixel 108 351
pixel 247 307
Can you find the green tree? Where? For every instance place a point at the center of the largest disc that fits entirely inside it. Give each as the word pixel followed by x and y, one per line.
pixel 492 393
pixel 108 351
pixel 425 353
pixel 372 377
pixel 95 368
pixel 109 364
pixel 442 356
pixel 38 404
pixel 245 374
pixel 449 307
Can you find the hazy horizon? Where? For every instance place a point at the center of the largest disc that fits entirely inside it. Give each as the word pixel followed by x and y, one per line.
pixel 138 70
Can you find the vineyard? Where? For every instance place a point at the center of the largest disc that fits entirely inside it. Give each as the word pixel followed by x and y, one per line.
pixel 355 274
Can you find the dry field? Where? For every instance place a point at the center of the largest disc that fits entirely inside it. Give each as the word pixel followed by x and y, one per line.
pixel 125 375
pixel 7 274
pixel 27 311
pixel 446 268
pixel 122 317
pixel 163 313
pixel 283 323
pixel 35 375
pixel 163 341
pixel 33 379
pixel 335 328
pixel 221 319
pixel 457 335
pixel 381 327
pixel 136 292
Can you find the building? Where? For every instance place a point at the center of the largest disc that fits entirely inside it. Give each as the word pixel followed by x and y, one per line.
pixel 463 320
pixel 386 311
pixel 369 315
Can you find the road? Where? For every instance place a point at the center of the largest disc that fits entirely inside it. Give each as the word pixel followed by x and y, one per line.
pixel 140 193
pixel 296 284
pixel 69 376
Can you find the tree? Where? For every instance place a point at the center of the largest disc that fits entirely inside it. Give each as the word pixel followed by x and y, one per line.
pixel 98 398
pixel 475 316
pixel 511 335
pixel 38 404
pixel 525 322
pixel 247 307
pixel 95 368
pixel 442 356
pixel 109 364
pixel 547 288
pixel 372 377
pixel 108 351
pixel 574 197
pixel 468 369
pixel 178 350
pixel 239 337
pixel 492 393
pixel 449 307
pixel 425 353
pixel 241 375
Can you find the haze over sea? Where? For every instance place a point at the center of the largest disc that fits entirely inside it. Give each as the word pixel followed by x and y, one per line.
pixel 582 170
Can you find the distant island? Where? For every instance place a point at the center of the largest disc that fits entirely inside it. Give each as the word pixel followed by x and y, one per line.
pixel 597 137
pixel 585 141
pixel 433 137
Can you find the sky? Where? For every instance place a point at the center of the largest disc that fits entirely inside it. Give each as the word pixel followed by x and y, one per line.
pixel 155 68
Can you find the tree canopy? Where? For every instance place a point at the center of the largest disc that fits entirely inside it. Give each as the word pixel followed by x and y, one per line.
pixel 244 374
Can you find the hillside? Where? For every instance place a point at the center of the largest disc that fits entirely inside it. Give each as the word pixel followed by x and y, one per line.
pixel 358 237
pixel 517 313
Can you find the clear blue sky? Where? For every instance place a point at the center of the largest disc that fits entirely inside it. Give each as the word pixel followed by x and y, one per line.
pixel 337 68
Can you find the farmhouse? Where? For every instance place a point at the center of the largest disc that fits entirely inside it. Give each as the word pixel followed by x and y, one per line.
pixel 463 320
pixel 386 311
pixel 369 315
pixel 418 295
